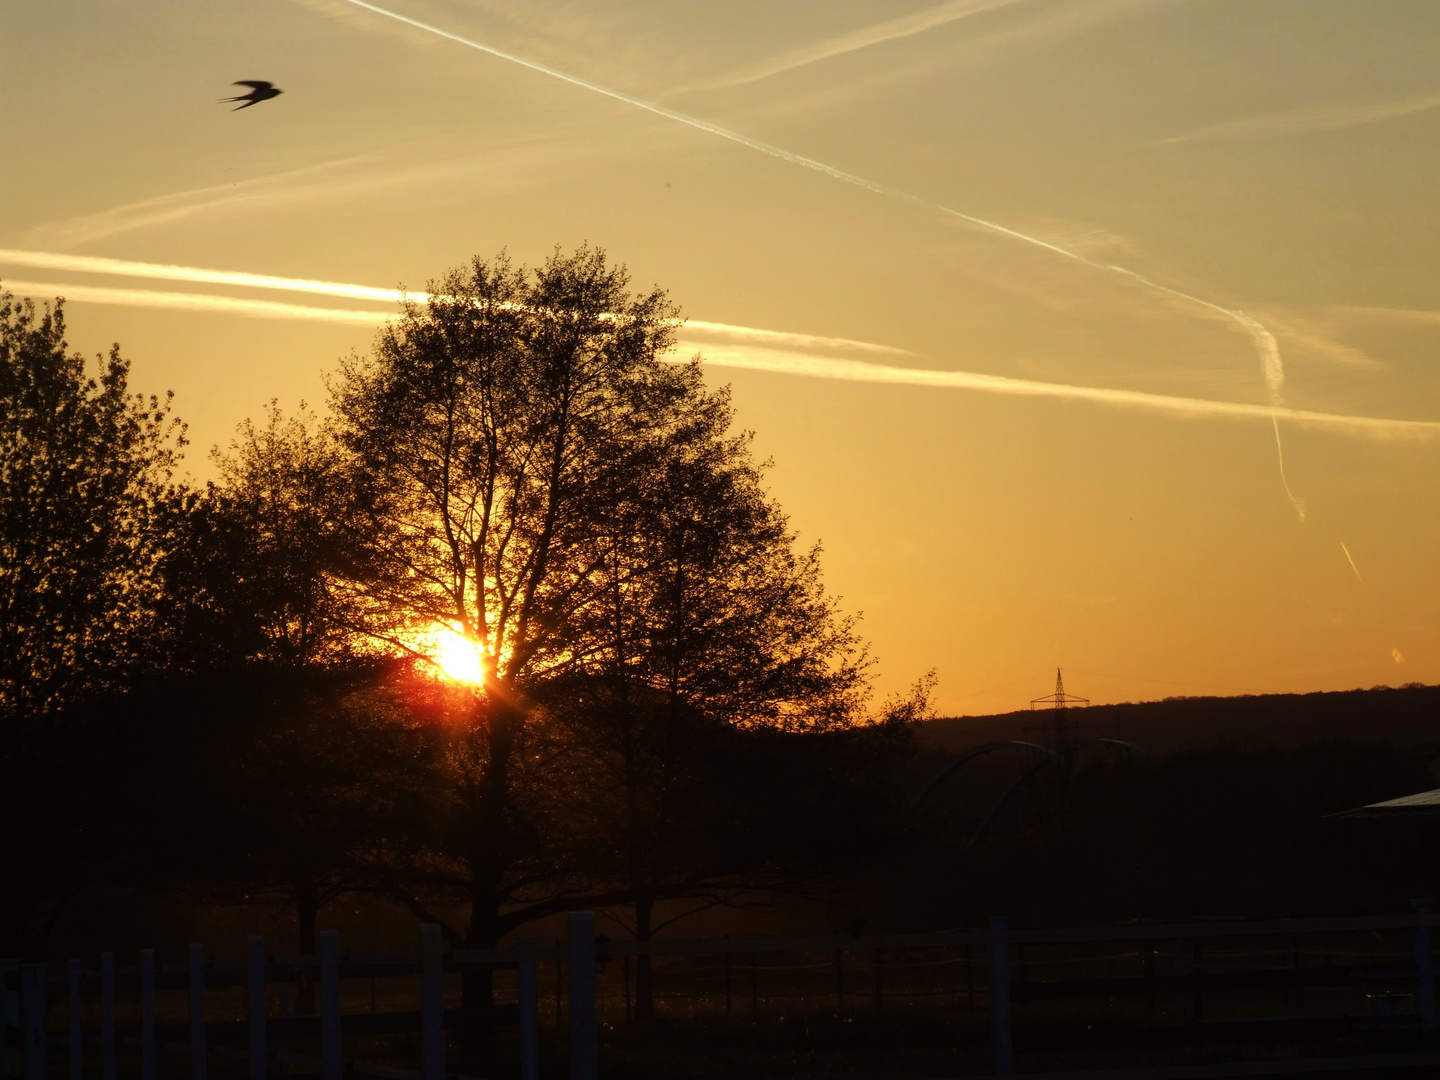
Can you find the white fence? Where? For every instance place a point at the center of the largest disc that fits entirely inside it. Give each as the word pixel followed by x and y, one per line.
pixel 31 990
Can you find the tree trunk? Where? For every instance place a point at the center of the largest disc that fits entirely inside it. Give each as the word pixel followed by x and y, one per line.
pixel 490 843
pixel 644 977
pixel 307 908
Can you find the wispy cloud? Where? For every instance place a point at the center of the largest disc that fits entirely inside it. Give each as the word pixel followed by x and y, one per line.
pixel 1350 559
pixel 1384 314
pixel 786 362
pixel 1295 500
pixel 184 301
pixel 1189 408
pixel 290 185
pixel 524 160
pixel 1269 353
pixel 1314 118
pixel 775 337
pixel 90 264
pixel 917 22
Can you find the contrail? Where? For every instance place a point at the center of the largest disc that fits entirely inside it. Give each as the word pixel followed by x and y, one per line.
pixel 905 26
pixel 1295 500
pixel 1351 561
pixel 1311 118
pixel 1269 354
pixel 181 301
pixel 89 264
pixel 794 364
pixel 1167 404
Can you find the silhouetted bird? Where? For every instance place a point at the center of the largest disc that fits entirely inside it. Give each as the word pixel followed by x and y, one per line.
pixel 260 90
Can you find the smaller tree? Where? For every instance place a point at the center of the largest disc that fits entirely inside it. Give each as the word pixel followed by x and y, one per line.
pixel 85 472
pixel 714 633
pixel 311 750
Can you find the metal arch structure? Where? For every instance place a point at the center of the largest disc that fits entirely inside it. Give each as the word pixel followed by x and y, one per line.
pixel 1029 773
pixel 979 751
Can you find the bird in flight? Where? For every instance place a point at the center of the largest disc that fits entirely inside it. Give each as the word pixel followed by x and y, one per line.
pixel 260 90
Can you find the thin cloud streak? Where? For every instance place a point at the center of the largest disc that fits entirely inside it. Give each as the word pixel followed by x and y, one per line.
pixel 1272 369
pixel 1295 500
pixel 178 206
pixel 1351 561
pixel 788 363
pixel 1315 118
pixel 865 37
pixel 1378 428
pixel 180 301
pixel 799 341
pixel 90 264
pixel 1385 314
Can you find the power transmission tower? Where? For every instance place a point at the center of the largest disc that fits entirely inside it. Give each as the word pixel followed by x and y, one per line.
pixel 1063 734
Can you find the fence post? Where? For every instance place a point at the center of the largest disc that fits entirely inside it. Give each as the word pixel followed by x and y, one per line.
pixel 77 1035
pixel 1179 980
pixel 1425 965
pixel 727 974
pixel 107 1015
pixel 528 980
pixel 331 1055
pixel 432 1004
pixel 255 1005
pixel 147 1014
pixel 583 1055
pixel 999 971
pixel 32 1009
pixel 198 1049
pixel 559 988
pixel 9 1011
pixel 839 980
pixel 879 978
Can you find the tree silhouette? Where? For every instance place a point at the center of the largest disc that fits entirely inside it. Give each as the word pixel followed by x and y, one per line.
pixel 711 624
pixel 84 480
pixel 487 430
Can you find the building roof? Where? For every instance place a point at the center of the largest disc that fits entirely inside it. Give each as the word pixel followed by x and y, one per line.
pixel 1425 804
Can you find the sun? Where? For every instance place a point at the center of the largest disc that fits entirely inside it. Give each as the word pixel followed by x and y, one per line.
pixel 458 656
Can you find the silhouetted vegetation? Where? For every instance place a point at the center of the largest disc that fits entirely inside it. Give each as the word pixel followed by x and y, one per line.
pixel 230 693
pixel 226 694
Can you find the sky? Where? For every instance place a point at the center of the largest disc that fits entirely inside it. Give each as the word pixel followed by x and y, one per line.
pixel 1091 334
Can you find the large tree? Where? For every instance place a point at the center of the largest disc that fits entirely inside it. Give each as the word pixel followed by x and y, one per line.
pixel 489 431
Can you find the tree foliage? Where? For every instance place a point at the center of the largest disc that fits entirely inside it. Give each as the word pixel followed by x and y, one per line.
pixel 85 472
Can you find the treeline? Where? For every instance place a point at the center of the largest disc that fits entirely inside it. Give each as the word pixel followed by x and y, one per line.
pixel 514 629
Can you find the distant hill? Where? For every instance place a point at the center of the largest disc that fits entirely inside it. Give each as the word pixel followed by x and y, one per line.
pixel 1407 717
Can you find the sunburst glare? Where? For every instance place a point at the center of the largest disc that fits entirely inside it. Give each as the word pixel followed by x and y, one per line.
pixel 457 656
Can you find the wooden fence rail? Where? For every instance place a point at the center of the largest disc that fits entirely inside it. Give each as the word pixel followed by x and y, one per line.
pixel 29 989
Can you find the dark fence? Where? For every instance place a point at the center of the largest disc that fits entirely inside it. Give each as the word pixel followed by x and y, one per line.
pixel 1035 992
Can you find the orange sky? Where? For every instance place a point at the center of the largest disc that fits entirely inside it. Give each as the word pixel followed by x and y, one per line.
pixel 1266 169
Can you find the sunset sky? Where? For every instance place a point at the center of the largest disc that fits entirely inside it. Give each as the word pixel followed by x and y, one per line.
pixel 1025 298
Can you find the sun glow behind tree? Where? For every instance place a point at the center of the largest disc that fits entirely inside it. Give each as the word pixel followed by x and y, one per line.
pixel 458 657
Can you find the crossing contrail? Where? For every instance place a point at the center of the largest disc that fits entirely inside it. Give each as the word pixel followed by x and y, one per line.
pixel 1295 500
pixel 1351 561
pixel 781 361
pixel 1271 367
